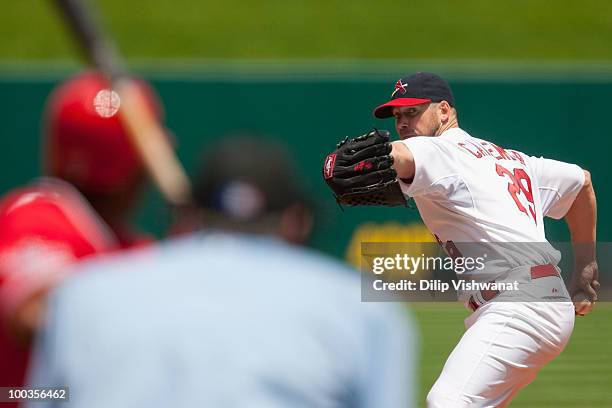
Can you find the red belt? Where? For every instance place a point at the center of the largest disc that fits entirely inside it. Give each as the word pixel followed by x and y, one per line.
pixel 537 272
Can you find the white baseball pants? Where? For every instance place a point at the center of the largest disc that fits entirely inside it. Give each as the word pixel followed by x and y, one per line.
pixel 502 350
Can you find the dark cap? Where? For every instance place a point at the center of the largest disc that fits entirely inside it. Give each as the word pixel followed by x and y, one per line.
pixel 416 89
pixel 244 178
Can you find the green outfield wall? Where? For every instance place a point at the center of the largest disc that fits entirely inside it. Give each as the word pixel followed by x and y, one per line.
pixel 564 119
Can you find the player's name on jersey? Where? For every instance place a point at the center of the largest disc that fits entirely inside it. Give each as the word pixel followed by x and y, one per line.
pixel 441 286
pixel 488 149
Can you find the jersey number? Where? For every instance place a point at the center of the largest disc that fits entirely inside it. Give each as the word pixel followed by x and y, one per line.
pixel 519 183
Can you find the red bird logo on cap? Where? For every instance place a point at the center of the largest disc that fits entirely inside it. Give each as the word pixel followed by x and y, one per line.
pixel 399 86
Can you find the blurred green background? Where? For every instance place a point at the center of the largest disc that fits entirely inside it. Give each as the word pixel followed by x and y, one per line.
pixel 444 29
pixel 531 75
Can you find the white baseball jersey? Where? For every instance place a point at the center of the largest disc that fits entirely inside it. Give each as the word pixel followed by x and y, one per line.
pixel 471 190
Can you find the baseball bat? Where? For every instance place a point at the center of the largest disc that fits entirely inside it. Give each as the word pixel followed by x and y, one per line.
pixel 143 127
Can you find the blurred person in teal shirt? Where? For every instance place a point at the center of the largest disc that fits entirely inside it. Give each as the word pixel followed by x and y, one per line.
pixel 235 315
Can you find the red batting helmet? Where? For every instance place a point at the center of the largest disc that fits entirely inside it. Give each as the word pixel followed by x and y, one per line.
pixel 85 143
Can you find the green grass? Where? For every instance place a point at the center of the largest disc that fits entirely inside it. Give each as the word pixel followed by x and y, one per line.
pixel 259 29
pixel 580 377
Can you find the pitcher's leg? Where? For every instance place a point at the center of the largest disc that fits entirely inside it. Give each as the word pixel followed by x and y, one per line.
pixel 501 352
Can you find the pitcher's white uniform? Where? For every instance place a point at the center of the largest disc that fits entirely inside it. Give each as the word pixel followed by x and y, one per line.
pixel 470 190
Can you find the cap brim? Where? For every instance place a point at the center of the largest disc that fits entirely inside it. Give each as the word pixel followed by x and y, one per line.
pixel 385 111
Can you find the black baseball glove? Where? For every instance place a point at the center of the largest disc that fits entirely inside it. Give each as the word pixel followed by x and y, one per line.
pixel 359 171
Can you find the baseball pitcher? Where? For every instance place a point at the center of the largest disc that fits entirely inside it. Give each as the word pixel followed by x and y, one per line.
pixel 469 190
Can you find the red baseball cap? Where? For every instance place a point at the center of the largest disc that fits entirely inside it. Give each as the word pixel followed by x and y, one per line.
pixel 85 142
pixel 416 89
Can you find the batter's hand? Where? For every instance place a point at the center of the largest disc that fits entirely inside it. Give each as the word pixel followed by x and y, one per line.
pixel 584 287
